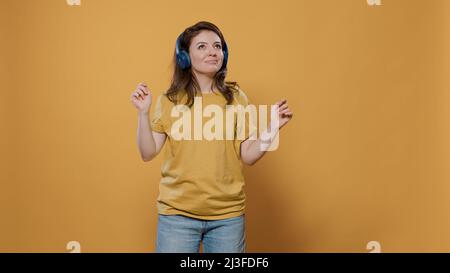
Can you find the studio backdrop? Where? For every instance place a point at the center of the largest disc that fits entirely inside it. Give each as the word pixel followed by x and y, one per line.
pixel 362 166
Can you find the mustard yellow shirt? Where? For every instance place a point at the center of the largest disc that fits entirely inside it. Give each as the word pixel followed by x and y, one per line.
pixel 201 179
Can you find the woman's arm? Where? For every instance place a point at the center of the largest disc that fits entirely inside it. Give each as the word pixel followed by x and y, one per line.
pixel 251 150
pixel 149 142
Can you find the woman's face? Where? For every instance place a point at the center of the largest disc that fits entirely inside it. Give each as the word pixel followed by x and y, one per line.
pixel 206 53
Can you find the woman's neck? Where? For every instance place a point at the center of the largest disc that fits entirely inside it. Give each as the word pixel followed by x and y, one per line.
pixel 205 82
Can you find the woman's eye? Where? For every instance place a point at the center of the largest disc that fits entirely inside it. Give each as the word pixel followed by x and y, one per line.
pixel 203 46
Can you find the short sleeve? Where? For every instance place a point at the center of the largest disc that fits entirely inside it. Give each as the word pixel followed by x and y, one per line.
pixel 157 123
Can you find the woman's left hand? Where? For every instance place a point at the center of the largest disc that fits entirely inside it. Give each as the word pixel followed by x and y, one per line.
pixel 284 113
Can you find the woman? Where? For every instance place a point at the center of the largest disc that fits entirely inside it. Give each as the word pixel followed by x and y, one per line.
pixel 201 196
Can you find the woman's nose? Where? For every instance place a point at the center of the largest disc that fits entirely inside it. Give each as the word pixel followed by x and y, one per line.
pixel 212 52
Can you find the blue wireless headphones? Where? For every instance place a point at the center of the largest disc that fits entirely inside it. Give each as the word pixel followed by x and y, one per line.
pixel 183 59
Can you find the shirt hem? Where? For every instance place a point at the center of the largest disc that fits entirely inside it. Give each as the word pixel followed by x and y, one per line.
pixel 201 217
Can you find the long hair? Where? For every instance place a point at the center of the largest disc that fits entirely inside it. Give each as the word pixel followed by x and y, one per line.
pixel 185 80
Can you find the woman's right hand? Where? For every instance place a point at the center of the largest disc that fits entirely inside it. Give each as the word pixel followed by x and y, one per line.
pixel 141 98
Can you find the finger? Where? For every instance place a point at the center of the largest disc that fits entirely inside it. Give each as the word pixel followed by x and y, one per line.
pixel 138 95
pixel 280 103
pixel 142 86
pixel 283 107
pixel 142 93
pixel 285 111
pixel 288 114
pixel 135 97
pixel 143 90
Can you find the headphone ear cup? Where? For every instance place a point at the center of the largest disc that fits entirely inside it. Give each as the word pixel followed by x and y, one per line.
pixel 183 60
pixel 225 54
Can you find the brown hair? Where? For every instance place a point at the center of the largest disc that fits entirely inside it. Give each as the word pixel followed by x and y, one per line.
pixel 185 79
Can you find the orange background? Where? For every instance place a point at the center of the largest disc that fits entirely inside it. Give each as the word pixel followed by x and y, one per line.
pixel 365 157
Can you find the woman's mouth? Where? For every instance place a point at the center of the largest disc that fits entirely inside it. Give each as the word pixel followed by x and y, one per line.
pixel 212 62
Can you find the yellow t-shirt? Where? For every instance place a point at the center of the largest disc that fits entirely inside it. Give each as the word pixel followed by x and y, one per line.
pixel 201 178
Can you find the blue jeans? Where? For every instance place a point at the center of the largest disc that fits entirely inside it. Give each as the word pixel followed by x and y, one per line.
pixel 181 234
